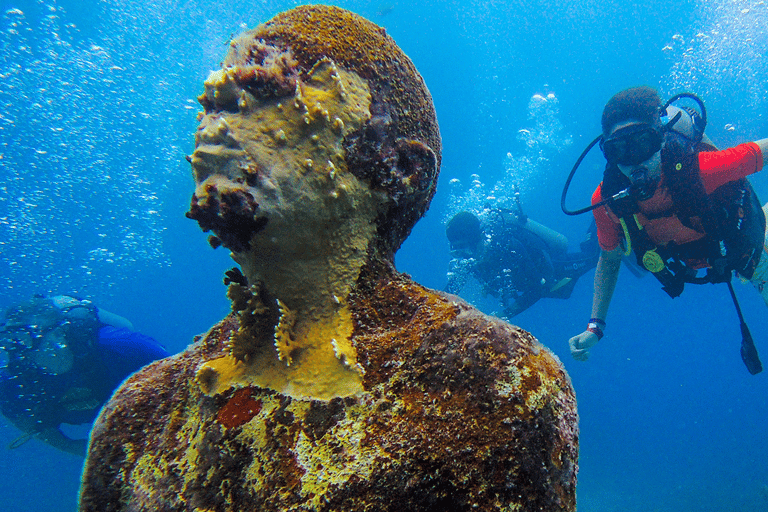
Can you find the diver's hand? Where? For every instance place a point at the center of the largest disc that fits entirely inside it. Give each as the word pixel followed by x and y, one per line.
pixel 581 344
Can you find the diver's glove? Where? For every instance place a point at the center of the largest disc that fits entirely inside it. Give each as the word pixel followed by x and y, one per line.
pixel 581 343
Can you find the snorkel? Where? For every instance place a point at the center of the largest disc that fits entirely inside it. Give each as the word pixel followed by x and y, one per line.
pixel 642 186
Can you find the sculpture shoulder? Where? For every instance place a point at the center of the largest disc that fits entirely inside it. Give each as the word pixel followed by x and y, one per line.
pixel 440 341
pixel 147 396
pixel 463 390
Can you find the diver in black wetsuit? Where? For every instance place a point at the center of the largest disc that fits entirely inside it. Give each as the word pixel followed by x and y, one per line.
pixel 63 359
pixel 515 259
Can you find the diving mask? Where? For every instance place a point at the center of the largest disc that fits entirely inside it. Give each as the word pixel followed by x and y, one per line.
pixel 463 249
pixel 53 356
pixel 632 144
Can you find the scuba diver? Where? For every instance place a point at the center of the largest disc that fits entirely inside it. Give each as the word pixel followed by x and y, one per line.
pixel 63 359
pixel 515 259
pixel 681 205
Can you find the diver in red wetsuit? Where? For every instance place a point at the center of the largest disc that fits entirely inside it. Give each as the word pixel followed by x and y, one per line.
pixel 682 205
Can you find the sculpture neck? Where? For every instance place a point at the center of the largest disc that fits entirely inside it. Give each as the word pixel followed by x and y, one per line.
pixel 302 347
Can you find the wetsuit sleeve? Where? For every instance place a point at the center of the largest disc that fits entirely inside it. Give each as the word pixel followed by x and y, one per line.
pixel 719 167
pixel 124 351
pixel 608 232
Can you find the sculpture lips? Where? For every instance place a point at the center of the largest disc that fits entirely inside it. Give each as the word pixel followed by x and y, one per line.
pixel 231 215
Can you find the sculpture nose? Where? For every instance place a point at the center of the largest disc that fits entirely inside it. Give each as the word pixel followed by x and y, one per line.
pixel 211 159
pixel 214 129
pixel 216 150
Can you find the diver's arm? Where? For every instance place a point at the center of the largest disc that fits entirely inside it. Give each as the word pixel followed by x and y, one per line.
pixel 49 435
pixel 55 438
pixel 555 242
pixel 522 303
pixel 606 276
pixel 114 320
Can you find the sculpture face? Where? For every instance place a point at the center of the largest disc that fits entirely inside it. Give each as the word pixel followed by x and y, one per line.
pixel 269 155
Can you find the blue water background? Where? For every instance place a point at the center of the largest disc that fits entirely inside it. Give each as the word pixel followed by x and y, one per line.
pixel 97 110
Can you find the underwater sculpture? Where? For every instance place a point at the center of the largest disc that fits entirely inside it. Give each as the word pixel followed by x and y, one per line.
pixel 337 383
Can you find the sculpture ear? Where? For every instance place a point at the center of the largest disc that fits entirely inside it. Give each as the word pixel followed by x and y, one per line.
pixel 416 163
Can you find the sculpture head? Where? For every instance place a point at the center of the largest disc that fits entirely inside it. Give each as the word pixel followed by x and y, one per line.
pixel 317 153
pixel 316 120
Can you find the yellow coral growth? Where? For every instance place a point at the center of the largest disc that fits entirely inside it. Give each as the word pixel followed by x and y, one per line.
pixel 314 359
pixel 283 343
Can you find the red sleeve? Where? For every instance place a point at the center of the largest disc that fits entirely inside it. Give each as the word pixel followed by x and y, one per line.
pixel 720 167
pixel 608 232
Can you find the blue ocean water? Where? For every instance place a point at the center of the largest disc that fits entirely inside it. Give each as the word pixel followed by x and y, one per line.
pixel 97 110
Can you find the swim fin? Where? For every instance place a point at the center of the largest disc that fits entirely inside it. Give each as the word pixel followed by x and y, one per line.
pixel 749 352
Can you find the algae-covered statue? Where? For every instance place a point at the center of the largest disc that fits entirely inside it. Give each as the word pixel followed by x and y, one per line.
pixel 336 383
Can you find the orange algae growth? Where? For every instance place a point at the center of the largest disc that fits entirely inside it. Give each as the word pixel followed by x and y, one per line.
pixel 239 409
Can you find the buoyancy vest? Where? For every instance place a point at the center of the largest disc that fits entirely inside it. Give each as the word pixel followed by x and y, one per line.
pixel 731 216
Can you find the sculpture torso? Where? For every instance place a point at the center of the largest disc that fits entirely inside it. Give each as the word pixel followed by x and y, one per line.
pixel 454 404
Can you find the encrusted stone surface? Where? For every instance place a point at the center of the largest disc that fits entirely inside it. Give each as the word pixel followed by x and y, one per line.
pixel 460 411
